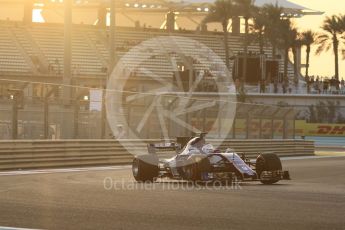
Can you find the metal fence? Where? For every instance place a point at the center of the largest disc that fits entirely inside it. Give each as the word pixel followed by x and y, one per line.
pixel 264 122
pixel 40 119
pixel 36 120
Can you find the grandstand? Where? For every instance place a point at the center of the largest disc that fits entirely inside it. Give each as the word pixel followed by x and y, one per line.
pixel 33 52
pixel 38 50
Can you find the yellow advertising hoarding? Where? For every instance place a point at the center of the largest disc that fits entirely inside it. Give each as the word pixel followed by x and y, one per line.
pixel 302 128
pixel 318 129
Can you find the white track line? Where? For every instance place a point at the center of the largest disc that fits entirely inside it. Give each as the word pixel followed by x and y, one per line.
pixel 67 170
pixel 308 157
pixel 10 228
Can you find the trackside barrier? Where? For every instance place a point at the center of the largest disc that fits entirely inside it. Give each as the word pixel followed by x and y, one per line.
pixel 26 154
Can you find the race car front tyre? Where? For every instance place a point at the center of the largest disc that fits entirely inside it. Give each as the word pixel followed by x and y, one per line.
pixel 145 168
pixel 268 162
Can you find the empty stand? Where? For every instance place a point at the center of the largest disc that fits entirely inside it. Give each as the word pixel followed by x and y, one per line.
pixel 90 47
pixel 11 59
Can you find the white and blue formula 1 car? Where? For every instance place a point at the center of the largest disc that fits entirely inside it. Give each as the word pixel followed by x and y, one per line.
pixel 198 161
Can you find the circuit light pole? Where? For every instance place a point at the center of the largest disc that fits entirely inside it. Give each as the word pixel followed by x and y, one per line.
pixel 66 120
pixel 67 52
pixel 112 47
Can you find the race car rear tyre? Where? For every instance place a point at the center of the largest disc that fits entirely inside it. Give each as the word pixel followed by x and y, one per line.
pixel 145 168
pixel 268 162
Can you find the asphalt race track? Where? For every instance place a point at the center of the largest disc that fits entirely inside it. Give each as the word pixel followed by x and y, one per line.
pixel 110 199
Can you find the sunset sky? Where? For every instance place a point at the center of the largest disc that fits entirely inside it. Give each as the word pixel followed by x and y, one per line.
pixel 323 64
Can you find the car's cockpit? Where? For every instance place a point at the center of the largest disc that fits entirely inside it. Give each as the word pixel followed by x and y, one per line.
pixel 197 145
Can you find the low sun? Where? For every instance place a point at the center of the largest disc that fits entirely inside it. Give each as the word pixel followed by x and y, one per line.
pixel 37 16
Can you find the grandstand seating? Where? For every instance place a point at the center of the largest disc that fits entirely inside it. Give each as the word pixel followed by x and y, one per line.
pixel 11 59
pixel 90 48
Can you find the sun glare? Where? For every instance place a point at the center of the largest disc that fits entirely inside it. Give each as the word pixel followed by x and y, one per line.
pixel 37 16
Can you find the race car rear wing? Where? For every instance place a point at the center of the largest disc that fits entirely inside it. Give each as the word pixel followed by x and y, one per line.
pixel 165 146
pixel 176 146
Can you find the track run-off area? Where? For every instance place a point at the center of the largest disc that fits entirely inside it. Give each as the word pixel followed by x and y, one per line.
pixel 109 198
